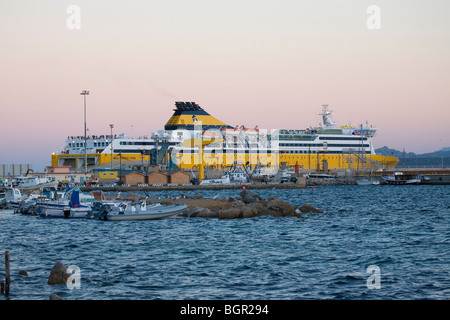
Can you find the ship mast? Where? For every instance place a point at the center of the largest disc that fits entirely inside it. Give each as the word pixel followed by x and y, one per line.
pixel 326 117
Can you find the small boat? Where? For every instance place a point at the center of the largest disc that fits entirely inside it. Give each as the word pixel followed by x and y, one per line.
pixel 67 207
pixel 157 212
pixel 263 173
pixel 66 212
pixel 26 183
pixel 108 212
pixel 236 175
pixel 13 196
pixel 223 180
pixel 400 178
pixel 27 204
pixel 319 176
pixel 228 178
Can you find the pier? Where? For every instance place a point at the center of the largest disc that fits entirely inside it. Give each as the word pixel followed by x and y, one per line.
pixel 436 177
pixel 197 187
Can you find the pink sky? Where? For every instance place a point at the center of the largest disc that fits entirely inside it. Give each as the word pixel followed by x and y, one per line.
pixel 266 63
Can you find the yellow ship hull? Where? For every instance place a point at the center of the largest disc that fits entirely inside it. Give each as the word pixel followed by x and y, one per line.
pixel 187 161
pixel 312 161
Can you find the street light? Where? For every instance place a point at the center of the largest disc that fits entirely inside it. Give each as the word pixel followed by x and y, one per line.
pixel 84 93
pixel 111 126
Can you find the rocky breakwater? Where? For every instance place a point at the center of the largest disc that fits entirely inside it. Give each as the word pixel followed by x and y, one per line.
pixel 248 205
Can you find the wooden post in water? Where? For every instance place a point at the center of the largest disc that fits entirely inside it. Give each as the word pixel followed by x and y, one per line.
pixel 7 273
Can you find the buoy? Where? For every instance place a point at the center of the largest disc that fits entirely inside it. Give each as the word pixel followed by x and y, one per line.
pixel 312 189
pixel 243 188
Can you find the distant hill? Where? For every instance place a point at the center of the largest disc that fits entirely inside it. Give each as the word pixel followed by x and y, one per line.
pixel 385 151
pixel 411 159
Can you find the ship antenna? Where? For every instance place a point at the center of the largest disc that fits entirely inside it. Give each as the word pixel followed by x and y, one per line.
pixel 326 116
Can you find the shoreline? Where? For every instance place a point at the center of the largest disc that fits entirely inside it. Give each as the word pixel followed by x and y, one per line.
pixel 194 187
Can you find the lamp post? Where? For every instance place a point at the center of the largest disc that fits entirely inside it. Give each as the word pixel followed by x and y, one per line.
pixel 111 126
pixel 120 167
pixel 85 93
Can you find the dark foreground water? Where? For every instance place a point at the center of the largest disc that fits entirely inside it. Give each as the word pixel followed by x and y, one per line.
pixel 374 242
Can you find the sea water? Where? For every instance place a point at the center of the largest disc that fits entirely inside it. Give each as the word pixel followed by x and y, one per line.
pixel 371 242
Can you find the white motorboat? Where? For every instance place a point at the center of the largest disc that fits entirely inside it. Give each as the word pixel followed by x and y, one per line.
pixel 319 176
pixel 400 178
pixel 104 211
pixel 73 204
pixel 13 196
pixel 24 182
pixel 156 212
pixel 66 212
pixel 263 173
pixel 223 180
pixel 232 176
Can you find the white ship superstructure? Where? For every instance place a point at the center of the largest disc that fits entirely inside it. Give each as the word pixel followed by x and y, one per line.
pixel 324 147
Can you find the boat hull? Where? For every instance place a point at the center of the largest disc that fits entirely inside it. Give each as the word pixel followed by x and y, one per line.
pixel 403 182
pixel 159 212
pixel 402 179
pixel 61 211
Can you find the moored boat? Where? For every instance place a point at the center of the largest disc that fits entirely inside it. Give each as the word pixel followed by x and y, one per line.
pixel 232 176
pixel 401 178
pixel 319 176
pixel 158 212
pixel 108 212
pixel 13 196
pixel 73 204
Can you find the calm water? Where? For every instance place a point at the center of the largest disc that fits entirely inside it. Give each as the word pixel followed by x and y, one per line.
pixel 403 230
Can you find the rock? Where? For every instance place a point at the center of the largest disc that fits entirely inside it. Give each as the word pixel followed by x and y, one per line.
pixel 54 296
pixel 206 213
pixel 199 212
pixel 230 213
pixel 260 209
pixel 308 208
pixel 249 212
pixel 249 197
pixel 238 203
pixel 203 213
pixel 283 209
pixel 58 274
pixel 23 273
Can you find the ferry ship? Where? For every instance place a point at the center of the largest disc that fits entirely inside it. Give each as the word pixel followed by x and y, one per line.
pixel 192 134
